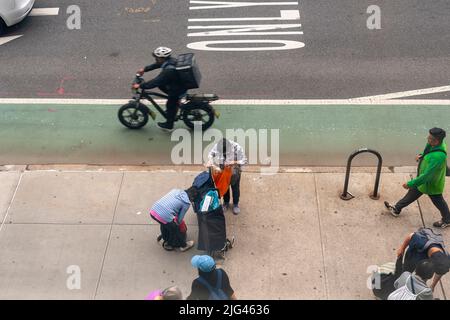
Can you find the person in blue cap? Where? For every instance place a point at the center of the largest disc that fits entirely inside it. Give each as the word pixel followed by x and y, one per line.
pixel 212 283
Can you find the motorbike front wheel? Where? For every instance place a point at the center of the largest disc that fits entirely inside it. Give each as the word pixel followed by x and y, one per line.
pixel 200 113
pixel 133 115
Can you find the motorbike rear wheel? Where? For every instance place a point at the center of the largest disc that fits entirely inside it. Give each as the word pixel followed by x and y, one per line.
pixel 133 115
pixel 198 113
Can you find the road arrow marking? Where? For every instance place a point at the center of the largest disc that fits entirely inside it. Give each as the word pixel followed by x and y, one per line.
pixel 4 40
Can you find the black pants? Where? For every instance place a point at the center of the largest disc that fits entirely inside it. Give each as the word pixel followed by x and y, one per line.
pixel 171 234
pixel 235 188
pixel 171 109
pixel 438 201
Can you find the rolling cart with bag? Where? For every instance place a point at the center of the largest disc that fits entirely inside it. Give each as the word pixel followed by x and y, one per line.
pixel 212 236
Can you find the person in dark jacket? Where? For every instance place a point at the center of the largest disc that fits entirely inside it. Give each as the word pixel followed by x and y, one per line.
pixel 207 272
pixel 167 81
pixel 413 254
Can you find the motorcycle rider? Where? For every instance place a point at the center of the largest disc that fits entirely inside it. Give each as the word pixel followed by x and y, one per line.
pixel 167 81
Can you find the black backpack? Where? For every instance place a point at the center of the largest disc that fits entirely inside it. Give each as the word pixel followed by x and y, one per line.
pixel 216 292
pixel 188 71
pixel 386 281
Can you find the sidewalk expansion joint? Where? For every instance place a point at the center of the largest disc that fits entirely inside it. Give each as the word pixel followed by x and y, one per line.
pixel 109 238
pixel 321 239
pixel 11 202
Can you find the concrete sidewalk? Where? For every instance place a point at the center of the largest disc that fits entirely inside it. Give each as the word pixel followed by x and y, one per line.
pixel 295 238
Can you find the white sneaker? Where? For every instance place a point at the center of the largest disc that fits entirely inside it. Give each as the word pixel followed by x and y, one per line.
pixel 189 244
pixel 391 209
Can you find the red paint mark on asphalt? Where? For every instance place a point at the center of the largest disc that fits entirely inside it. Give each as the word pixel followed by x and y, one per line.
pixel 60 91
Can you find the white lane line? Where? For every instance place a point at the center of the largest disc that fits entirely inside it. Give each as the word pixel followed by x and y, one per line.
pixel 226 4
pixel 284 15
pixel 408 93
pixel 250 102
pixel 38 12
pixel 64 101
pixel 4 40
pixel 332 102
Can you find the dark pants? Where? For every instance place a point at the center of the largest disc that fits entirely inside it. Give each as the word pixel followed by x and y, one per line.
pixel 438 201
pixel 235 187
pixel 171 234
pixel 172 109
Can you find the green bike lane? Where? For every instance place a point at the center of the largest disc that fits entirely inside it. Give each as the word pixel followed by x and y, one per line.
pixel 309 135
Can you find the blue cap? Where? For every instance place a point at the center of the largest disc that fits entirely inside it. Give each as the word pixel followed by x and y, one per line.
pixel 204 263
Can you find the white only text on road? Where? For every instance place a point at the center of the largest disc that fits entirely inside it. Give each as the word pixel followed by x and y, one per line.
pixel 237 31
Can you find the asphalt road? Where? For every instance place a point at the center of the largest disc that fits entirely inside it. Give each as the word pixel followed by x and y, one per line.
pixel 341 58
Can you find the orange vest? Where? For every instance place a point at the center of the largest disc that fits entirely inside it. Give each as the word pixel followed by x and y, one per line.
pixel 222 180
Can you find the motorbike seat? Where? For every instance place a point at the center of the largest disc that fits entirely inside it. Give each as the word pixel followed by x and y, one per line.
pixel 202 97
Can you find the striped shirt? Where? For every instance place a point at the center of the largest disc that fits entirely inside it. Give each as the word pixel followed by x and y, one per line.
pixel 173 205
pixel 235 154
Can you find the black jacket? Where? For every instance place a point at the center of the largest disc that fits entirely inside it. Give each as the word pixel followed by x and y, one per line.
pixel 199 292
pixel 167 81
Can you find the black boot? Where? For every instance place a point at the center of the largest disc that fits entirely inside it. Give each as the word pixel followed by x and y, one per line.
pixel 165 126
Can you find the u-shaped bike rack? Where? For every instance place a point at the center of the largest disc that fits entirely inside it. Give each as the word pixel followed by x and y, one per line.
pixel 375 196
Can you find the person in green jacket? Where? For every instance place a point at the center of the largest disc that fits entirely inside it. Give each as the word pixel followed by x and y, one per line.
pixel 430 180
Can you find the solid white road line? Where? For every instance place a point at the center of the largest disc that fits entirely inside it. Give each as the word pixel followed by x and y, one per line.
pixel 226 4
pixel 332 102
pixel 284 15
pixel 4 40
pixel 64 101
pixel 407 93
pixel 37 12
pixel 232 102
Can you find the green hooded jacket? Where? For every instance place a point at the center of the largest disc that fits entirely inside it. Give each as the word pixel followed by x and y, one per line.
pixel 431 178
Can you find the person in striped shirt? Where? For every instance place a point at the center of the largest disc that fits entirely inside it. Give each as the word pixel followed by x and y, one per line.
pixel 169 212
pixel 229 154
